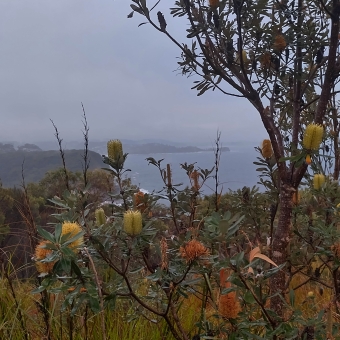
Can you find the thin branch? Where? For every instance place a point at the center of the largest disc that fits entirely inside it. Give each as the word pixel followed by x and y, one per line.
pixel 62 154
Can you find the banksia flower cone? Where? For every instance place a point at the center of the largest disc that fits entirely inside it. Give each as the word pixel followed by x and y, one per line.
pixel 228 305
pixel 139 201
pixel 72 229
pixel 296 198
pixel 266 149
pixel 41 254
pixel 279 43
pixel 115 150
pixel 312 137
pixel 100 217
pixel 133 222
pixel 193 250
pixel 265 60
pixel 318 181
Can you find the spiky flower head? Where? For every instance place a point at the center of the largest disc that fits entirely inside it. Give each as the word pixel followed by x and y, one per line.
pixel 115 150
pixel 229 306
pixel 140 201
pixel 100 216
pixel 133 222
pixel 265 60
pixel 279 43
pixel 312 136
pixel 266 149
pixel 214 3
pixel 195 180
pixel 41 253
pixel 193 250
pixel 318 181
pixel 72 229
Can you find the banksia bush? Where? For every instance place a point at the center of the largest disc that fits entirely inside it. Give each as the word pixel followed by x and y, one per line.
pixel 100 216
pixel 133 222
pixel 279 43
pixel 266 148
pixel 72 229
pixel 318 181
pixel 193 250
pixel 312 137
pixel 40 254
pixel 115 150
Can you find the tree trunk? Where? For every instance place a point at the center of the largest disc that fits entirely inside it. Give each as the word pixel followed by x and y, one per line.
pixel 280 246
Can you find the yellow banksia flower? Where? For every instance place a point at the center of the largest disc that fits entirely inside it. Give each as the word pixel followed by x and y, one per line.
pixel 100 216
pixel 279 43
pixel 41 254
pixel 308 159
pixel 318 181
pixel 133 222
pixel 214 3
pixel 72 229
pixel 193 250
pixel 266 148
pixel 312 136
pixel 115 150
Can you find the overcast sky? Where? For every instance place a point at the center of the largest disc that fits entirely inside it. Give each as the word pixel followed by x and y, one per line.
pixel 55 54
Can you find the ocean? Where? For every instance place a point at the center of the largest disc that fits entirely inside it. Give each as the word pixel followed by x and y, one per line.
pixel 236 169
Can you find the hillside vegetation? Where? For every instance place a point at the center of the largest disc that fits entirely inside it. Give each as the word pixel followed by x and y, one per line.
pixel 37 163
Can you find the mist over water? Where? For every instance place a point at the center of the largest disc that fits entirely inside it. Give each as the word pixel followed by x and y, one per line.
pixel 236 169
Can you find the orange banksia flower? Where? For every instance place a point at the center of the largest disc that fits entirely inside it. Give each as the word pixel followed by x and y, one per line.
pixel 164 252
pixel 265 60
pixel 318 181
pixel 115 150
pixel 279 43
pixel 133 222
pixel 335 248
pixel 139 201
pixel 228 304
pixel 312 137
pixel 100 217
pixel 195 176
pixel 266 149
pixel 41 254
pixel 296 198
pixel 72 229
pixel 193 250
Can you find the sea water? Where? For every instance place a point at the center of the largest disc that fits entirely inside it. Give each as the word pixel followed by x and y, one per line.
pixel 236 169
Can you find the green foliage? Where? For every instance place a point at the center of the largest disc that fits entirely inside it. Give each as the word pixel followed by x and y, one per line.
pixel 37 163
